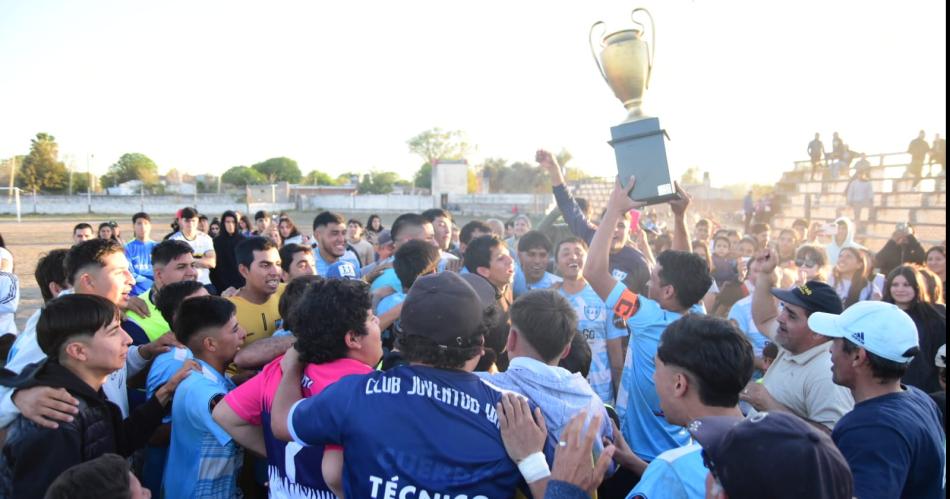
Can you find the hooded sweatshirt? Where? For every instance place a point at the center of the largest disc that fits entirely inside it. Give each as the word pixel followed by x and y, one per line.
pixel 834 249
pixel 559 393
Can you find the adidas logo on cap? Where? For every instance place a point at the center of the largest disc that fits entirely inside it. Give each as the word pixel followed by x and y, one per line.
pixel 858 337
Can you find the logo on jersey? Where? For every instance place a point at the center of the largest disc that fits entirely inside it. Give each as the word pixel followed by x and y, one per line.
pixel 592 312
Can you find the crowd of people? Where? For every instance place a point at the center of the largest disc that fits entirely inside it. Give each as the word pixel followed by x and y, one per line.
pixel 592 355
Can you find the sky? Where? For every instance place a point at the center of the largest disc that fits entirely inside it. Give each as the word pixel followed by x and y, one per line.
pixel 201 86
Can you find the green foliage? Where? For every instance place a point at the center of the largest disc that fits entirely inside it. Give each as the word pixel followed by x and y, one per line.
pixel 241 176
pixel 435 144
pixel 319 178
pixel 41 169
pixel 347 178
pixel 423 177
pixel 518 177
pixel 132 166
pixel 692 176
pixel 279 170
pixel 378 183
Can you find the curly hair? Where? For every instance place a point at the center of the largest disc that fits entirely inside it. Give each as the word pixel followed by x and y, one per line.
pixel 326 314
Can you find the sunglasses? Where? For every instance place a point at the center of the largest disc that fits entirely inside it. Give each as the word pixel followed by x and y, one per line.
pixel 806 262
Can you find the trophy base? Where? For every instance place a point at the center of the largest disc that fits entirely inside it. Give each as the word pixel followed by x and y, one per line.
pixel 641 151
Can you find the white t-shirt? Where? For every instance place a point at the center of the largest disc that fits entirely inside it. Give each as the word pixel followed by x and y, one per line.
pixel 202 243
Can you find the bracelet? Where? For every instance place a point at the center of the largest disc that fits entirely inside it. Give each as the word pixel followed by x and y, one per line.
pixel 534 467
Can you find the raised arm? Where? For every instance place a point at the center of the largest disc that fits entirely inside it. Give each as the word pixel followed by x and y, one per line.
pixel 681 241
pixel 575 219
pixel 597 269
pixel 764 313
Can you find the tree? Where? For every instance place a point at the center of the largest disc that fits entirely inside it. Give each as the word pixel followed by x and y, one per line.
pixel 435 144
pixel 241 176
pixel 423 178
pixel 173 176
pixel 692 176
pixel 519 177
pixel 279 170
pixel 319 178
pixel 132 166
pixel 378 183
pixel 41 168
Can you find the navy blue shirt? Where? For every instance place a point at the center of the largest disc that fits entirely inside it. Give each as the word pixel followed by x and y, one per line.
pixel 410 430
pixel 894 445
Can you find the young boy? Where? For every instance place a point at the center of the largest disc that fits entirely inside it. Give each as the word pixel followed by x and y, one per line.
pixel 203 460
pixel 84 344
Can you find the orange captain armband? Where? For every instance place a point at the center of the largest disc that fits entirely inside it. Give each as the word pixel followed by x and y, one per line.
pixel 628 305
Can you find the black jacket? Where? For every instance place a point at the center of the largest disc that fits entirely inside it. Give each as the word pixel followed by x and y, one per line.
pixel 33 456
pixel 893 255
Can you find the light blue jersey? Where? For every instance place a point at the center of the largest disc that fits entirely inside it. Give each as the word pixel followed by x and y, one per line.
pixel 323 265
pixel 520 285
pixel 163 368
pixel 741 312
pixel 387 278
pixel 139 255
pixel 203 460
pixel 674 474
pixel 642 421
pixel 390 301
pixel 596 322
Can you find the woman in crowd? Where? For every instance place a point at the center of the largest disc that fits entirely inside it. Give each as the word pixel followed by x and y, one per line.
pixel 812 264
pixel 934 286
pixel 245 226
pixel 374 225
pixel 225 274
pixel 110 230
pixel 851 279
pixel 787 243
pixel 937 263
pixel 214 228
pixel 905 287
pixel 288 231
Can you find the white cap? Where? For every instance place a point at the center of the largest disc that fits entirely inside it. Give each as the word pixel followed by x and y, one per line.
pixel 941 359
pixel 878 327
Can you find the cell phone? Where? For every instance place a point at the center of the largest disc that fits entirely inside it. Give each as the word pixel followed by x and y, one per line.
pixel 902 227
pixel 635 221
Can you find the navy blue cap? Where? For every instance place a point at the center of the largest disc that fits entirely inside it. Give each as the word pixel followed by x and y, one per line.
pixel 813 296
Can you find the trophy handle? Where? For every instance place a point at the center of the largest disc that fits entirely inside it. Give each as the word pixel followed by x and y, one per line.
pixel 651 54
pixel 593 53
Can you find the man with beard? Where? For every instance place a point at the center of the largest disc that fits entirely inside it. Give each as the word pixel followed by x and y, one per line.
pixel 329 231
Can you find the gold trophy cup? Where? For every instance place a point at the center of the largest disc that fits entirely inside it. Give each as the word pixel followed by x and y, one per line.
pixel 626 64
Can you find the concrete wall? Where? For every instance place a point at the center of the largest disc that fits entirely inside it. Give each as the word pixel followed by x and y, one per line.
pixel 211 204
pixel 466 204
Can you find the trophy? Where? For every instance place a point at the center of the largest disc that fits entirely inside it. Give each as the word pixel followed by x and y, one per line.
pixel 626 63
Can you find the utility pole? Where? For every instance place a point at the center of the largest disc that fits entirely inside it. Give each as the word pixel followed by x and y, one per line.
pixel 89 182
pixel 13 167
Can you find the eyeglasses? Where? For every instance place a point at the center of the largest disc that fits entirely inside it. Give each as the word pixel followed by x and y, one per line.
pixel 806 262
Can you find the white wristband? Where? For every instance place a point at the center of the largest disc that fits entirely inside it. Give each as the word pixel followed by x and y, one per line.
pixel 534 467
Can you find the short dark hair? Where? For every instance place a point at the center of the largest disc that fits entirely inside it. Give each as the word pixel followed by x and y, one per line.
pixel 244 251
pixel 546 320
pixel 759 228
pixel 200 313
pixel 325 314
pixel 86 253
pixel 203 217
pixel 534 240
pixel 579 358
pixel 105 477
pixel 406 220
pixel 716 354
pixel 413 259
pixel 49 269
pixel 465 234
pixel 478 252
pixel 326 218
pixel 139 215
pixel 432 213
pixel 354 221
pixel 293 292
pixel 71 316
pixel 169 298
pixel 571 240
pixel 881 368
pixel 188 213
pixel 261 214
pixel 770 351
pixel 687 273
pixel 169 250
pixel 82 225
pixel 287 253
